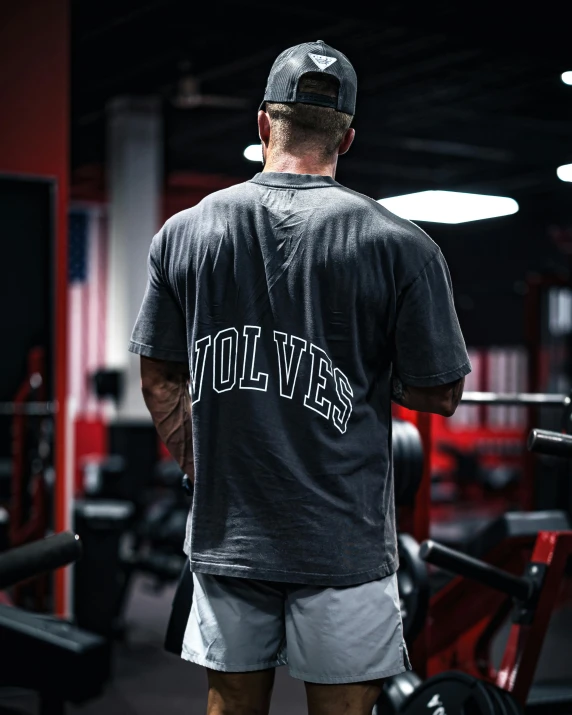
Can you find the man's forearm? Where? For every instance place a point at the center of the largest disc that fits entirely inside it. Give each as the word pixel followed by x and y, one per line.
pixel 441 399
pixel 410 398
pixel 457 392
pixel 170 406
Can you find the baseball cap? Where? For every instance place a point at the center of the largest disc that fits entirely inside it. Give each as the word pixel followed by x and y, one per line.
pixel 317 56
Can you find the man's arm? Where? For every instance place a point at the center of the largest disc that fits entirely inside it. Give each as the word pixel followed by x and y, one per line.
pixel 441 399
pixel 428 344
pixel 165 387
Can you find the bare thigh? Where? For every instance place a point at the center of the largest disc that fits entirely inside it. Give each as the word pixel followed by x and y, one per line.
pixel 345 699
pixel 240 693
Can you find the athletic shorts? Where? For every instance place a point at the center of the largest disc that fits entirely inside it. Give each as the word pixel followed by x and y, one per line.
pixel 344 634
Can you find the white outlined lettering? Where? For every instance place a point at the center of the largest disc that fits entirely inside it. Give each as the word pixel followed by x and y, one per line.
pixel 322 381
pixel 287 375
pixel 345 393
pixel 317 384
pixel 224 359
pixel 260 382
pixel 201 349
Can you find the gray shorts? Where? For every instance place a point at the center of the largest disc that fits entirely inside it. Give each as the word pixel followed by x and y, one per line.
pixel 325 635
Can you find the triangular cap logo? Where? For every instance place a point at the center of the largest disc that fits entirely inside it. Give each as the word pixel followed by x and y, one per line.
pixel 321 61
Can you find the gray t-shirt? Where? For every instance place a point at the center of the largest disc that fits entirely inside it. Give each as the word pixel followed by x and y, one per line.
pixel 292 298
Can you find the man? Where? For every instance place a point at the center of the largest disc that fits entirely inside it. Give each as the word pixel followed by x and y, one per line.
pixel 293 309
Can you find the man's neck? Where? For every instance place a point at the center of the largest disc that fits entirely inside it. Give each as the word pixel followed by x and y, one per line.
pixel 287 163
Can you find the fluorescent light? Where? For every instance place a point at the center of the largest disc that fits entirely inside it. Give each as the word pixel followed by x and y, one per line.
pixel 449 206
pixel 566 77
pixel 253 152
pixel 565 172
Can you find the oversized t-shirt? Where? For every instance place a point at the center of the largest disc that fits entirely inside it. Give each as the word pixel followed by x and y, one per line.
pixel 293 300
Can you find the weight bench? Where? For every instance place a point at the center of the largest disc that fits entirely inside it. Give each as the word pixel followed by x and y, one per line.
pixel 520 525
pixel 42 653
pixel 52 657
pixel 460 635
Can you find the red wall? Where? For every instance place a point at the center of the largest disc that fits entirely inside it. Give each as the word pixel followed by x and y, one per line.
pixel 34 88
pixel 34 135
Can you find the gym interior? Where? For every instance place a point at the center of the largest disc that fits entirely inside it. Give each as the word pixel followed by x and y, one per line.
pixel 115 116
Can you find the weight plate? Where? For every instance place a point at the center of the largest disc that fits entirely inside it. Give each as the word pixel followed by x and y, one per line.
pixel 395 692
pixel 496 694
pixel 413 586
pixel 512 707
pixel 450 693
pixel 407 451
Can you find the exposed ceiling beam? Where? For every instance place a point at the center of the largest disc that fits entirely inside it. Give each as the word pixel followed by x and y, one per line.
pixel 400 171
pixel 519 182
pixel 414 70
pixel 441 147
pixel 270 53
pixel 119 20
pixel 197 132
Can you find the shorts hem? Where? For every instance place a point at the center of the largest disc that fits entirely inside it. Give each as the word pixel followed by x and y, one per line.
pixel 226 668
pixel 310 678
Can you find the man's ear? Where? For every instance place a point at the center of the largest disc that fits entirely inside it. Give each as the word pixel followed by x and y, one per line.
pixel 264 127
pixel 347 141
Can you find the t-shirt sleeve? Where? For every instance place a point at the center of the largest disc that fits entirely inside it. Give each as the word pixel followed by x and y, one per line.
pixel 159 331
pixel 429 346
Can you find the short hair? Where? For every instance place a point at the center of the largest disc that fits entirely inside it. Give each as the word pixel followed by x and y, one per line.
pixel 298 127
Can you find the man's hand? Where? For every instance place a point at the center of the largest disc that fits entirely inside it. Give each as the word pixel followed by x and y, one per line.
pixel 440 400
pixel 165 387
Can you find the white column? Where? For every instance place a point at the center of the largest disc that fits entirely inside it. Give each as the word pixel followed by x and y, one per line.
pixel 134 176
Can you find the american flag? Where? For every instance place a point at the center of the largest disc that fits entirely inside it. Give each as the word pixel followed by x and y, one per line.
pixel 87 285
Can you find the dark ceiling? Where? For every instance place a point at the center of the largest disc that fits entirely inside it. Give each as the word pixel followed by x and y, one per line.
pixel 447 98
pixel 450 95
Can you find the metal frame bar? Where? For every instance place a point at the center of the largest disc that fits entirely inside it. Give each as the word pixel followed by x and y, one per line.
pixel 463 638
pixel 454 641
pixel 34 528
pixel 58 358
pixel 478 600
pixel 518 399
pixel 476 569
pixel 28 408
pixel 553 550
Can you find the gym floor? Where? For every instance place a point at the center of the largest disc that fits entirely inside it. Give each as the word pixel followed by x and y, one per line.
pixel 149 681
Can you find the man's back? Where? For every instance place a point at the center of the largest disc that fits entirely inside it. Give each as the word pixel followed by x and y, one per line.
pixel 296 310
pixel 298 296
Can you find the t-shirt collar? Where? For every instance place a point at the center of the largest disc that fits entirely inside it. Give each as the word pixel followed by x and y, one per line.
pixel 285 180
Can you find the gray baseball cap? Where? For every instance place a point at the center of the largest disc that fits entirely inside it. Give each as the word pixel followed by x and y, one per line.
pixel 296 61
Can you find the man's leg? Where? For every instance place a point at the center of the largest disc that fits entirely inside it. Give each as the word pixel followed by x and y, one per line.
pixel 236 631
pixel 346 699
pixel 343 641
pixel 240 693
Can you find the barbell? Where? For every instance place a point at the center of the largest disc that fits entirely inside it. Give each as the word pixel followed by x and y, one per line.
pixel 515 399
